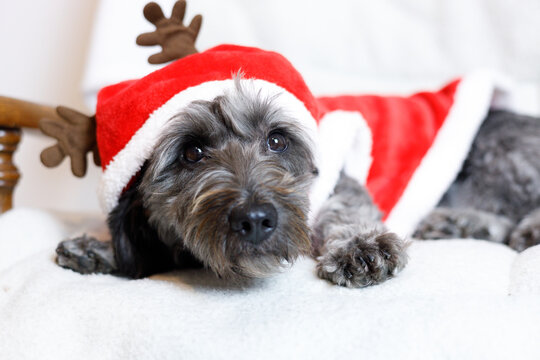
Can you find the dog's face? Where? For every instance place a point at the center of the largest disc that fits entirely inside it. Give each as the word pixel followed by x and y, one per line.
pixel 230 182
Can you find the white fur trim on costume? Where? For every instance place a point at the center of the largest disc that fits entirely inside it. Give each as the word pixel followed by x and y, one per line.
pixel 130 159
pixel 473 98
pixel 345 142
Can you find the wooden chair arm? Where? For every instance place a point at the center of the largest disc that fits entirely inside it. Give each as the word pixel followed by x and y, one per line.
pixel 18 113
pixel 14 115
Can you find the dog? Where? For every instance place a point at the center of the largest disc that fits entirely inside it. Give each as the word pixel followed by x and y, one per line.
pixel 227 188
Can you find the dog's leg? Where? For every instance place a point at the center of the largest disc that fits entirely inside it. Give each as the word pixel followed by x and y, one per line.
pixel 452 223
pixel 353 246
pixel 86 255
pixel 135 250
pixel 527 232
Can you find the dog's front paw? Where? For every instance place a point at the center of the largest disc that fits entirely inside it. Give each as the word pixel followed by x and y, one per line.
pixel 450 223
pixel 527 233
pixel 363 260
pixel 86 255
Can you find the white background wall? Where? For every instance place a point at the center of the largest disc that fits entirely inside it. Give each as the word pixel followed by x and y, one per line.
pixel 42 59
pixel 339 46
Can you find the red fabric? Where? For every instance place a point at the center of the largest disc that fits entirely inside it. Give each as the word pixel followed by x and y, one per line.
pixel 123 108
pixel 403 130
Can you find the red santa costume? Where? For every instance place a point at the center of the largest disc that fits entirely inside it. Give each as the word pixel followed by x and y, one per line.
pixel 406 150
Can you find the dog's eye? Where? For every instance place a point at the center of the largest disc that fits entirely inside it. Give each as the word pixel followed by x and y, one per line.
pixel 193 154
pixel 277 142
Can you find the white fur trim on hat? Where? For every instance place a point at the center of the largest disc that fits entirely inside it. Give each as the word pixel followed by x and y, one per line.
pixel 345 142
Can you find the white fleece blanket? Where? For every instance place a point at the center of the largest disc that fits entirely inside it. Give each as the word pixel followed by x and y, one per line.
pixel 457 299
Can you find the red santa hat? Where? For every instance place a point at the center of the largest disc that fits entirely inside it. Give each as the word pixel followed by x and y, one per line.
pixel 131 115
pixel 407 150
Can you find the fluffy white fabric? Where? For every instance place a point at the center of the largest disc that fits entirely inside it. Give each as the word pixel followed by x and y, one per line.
pixel 457 299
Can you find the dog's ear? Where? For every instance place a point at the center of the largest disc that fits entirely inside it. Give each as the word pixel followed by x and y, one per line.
pixel 175 39
pixel 137 249
pixel 76 136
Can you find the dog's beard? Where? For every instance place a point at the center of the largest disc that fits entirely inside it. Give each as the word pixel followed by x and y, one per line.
pixel 207 234
pixel 191 205
pixel 199 214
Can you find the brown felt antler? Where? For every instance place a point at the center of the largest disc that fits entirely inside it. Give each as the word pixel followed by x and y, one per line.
pixel 76 135
pixel 76 132
pixel 175 39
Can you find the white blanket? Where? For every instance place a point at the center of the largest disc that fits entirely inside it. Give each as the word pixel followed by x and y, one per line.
pixel 457 299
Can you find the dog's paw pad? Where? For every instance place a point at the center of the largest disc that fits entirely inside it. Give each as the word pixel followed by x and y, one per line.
pixel 86 255
pixel 360 263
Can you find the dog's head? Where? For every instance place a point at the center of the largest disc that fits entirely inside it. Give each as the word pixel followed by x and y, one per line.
pixel 230 180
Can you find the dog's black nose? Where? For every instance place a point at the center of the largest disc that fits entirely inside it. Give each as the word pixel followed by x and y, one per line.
pixel 254 223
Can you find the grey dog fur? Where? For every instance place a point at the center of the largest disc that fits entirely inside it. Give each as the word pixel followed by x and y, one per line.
pixel 188 205
pixel 353 246
pixel 496 196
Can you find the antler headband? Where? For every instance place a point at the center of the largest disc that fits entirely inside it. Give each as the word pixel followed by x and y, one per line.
pixel 75 132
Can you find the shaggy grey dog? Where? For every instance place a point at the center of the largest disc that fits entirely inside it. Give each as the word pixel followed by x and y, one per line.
pixel 497 193
pixel 228 188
